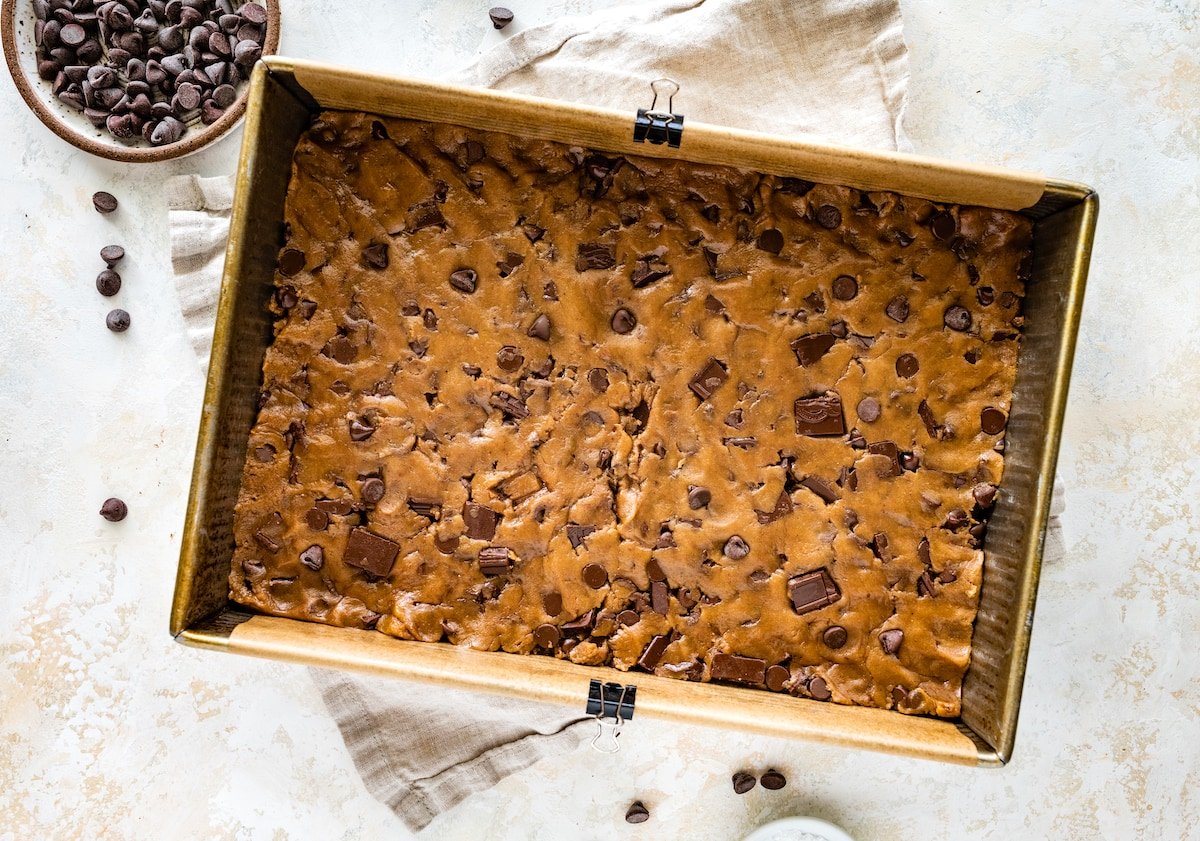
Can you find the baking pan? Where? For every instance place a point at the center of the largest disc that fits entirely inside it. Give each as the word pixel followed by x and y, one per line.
pixel 284 95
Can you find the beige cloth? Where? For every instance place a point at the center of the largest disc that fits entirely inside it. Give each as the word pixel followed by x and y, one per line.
pixel 837 69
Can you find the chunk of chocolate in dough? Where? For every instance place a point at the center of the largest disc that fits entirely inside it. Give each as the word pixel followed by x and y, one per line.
pixel 653 652
pixel 813 591
pixel 370 552
pixel 709 379
pixel 820 415
pixel 731 667
pixel 494 560
pixel 480 522
pixel 809 349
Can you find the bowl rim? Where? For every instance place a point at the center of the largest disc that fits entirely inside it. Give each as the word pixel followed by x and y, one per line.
pixel 193 141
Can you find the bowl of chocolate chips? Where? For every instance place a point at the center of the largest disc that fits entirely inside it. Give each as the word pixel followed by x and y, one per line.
pixel 137 80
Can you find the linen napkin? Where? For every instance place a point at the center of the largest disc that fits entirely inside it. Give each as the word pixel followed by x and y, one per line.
pixel 835 69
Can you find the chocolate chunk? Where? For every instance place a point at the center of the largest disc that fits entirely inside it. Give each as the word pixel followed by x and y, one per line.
pixel 338 507
pixel 117 321
pixel 813 591
pixel 426 214
pixel 508 358
pixel 371 552
pixel 649 269
pixel 637 812
pixel 540 329
pixel 992 421
pixel 897 309
pixel 783 507
pixel 628 617
pixel 925 413
pixel 604 459
pixel 891 640
pixel 361 429
pixel 372 490
pixel 594 255
pixel 577 534
pixel 659 600
pixel 431 508
pixel 376 255
pixel 654 571
pixel 956 519
pixel 743 782
pixel 745 442
pixel 623 321
pixel 313 557
pixel 108 283
pixel 550 291
pixel 771 241
pixel 889 449
pixel 943 226
pixel 709 379
pixel 925 585
pixel 509 264
pixel 844 287
pixel 341 349
pixel 737 669
pixel 985 295
pixel 520 487
pixel 473 152
pixel 598 379
pixel 464 280
pixel 546 636
pixel 532 232
pixel 736 548
pixel 957 318
pixel 776 677
pixel 698 497
pixel 819 690
pixel 809 349
pixel 316 519
pixel 114 510
pixel 595 576
pixel 104 202
pixel 820 415
pixel 581 625
pixel 985 495
pixel 552 603
pixel 429 319
pixel 265 453
pixel 835 636
pixel 868 410
pixel 736 419
pixel 879 544
pixel 509 404
pixel 653 652
pixel 480 522
pixel 907 365
pixel 923 551
pixel 494 560
pixel 828 216
pixel 821 488
pixel 112 254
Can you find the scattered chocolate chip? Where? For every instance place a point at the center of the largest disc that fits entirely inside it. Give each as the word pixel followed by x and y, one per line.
pixel 783 507
pixel 737 669
pixel 869 410
pixel 985 494
pixel 316 519
pixel 512 406
pixel 654 571
pixel 623 321
pixel 943 226
pixel 104 202
pixel 114 510
pixel 819 690
pixel 736 548
pixel 313 557
pixel 464 280
pixel 508 358
pixel 698 497
pixel 957 318
pixel 494 560
pixel 828 216
pixel 371 552
pixel 907 365
pixel 743 782
pixel 897 309
pixel 108 283
pixel 594 255
pixel 992 420
pixel 361 429
pixel 649 269
pixel 809 349
pixel 821 488
pixel 595 576
pixel 844 288
pixel 265 453
pixel 480 522
pixel 112 254
pixel 117 321
pixel 880 546
pixel 552 603
pixel 546 636
pixel 891 640
pixel 709 379
pixel 637 813
pixel 925 585
pixel 956 519
pixel 819 415
pixel 372 490
pixel 813 591
pixel 540 329
pixel 771 241
pixel 376 255
pixel 598 380
pixel 923 552
pixel 925 413
pixel 985 295
pixel 835 636
pixel 1008 300
pixel 291 262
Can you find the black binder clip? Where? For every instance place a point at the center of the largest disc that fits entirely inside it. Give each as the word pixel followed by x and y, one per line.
pixel 611 704
pixel 659 127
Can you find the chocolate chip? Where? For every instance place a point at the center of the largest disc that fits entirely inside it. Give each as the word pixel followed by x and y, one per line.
pixel 577 534
pixel 552 603
pixel 464 280
pixel 114 510
pixel 897 309
pixel 313 557
pixel 598 379
pixel 649 269
pixel 985 495
pixel 812 591
pixel 594 255
pixel 820 415
pixel 737 669
pixel 943 226
pixel 743 782
pixel 925 413
pixel 540 329
pixel 508 358
pixel 771 241
pixel 546 636
pixel 628 617
pixel 595 576
pixel 698 497
pixel 654 571
pixel 494 560
pixel 112 254
pixel 108 283
pixel 869 410
pixel 809 349
pixel 985 295
pixel 372 490
pixel 511 405
pixel 880 546
pixel 501 17
pixel 659 600
pixel 636 813
pixel 623 321
pixel 844 287
pixel 1008 300
pixel 957 318
pixel 361 429
pixel 291 262
pixel 480 522
pixel 891 640
pixel 709 379
pixel 907 365
pixel 956 519
pixel 653 652
pixel 835 636
pixel 736 548
pixel 376 255
pixel 371 552
pixel 117 321
pixel 828 216
pixel 821 488
pixel 316 519
pixel 925 585
pixel 104 202
pixel 992 420
pixel 509 264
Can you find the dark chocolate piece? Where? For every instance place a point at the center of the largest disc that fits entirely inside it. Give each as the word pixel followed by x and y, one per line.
pixel 104 202
pixel 820 415
pixel 776 677
pixel 552 603
pixel 313 557
pixel 494 560
pixel 835 636
pixel 897 309
pixel 480 522
pixel 773 780
pixel 783 507
pixel 868 410
pixel 736 548
pixel 114 510
pixel 743 781
pixel 813 591
pixel 821 488
pixel 623 321
pixel 637 813
pixel 809 349
pixel 844 288
pixel 653 652
pixel 698 497
pixel 709 379
pixel 659 600
pixel 957 318
pixel 464 280
pixel 891 640
pixel 595 576
pixel 371 552
pixel 737 669
pixel 771 241
pixel 546 636
pixel 828 216
pixel 117 321
pixel 907 365
pixel 992 421
pixel 540 329
pixel 511 405
pixel 594 255
pixel 889 449
pixel 108 283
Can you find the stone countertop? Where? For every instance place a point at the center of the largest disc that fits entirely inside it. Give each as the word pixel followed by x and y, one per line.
pixel 109 729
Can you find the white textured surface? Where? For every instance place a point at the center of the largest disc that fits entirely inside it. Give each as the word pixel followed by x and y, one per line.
pixel 108 729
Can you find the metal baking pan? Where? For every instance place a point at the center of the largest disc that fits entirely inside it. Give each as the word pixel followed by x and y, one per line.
pixel 284 95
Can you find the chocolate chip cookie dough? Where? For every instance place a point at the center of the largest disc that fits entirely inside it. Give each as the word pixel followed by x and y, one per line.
pixel 686 419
